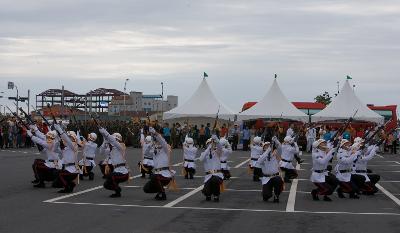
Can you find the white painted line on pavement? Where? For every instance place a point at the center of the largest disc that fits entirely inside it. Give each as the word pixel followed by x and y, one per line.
pixel 380 156
pixel 391 196
pixel 292 195
pixel 223 209
pixel 73 194
pixel 182 198
pixel 242 163
pixel 398 163
pixel 81 192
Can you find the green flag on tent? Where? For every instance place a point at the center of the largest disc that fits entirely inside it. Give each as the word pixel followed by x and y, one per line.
pixel 205 75
pixel 348 77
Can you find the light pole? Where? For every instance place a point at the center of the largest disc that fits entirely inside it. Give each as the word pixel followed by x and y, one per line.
pixel 338 87
pixel 126 80
pixel 17 99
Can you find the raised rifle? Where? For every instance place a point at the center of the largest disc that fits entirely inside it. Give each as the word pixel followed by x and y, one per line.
pixel 29 119
pixel 384 139
pixel 62 146
pixel 346 125
pixel 216 120
pixel 367 140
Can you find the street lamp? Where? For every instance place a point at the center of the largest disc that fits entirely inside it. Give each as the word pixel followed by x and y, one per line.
pixel 126 80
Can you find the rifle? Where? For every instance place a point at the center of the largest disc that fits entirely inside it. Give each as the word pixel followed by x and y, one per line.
pixel 346 125
pixel 367 140
pixel 18 118
pixel 384 139
pixel 29 118
pixel 216 120
pixel 41 115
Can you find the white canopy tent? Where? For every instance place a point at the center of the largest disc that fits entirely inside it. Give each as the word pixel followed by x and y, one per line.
pixel 344 106
pixel 274 105
pixel 201 106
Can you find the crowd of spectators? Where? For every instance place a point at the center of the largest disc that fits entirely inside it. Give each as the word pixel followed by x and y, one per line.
pixel 13 134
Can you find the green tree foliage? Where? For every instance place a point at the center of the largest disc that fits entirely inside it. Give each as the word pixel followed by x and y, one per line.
pixel 324 98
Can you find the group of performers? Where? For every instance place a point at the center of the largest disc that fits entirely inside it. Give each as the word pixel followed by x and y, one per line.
pixel 271 163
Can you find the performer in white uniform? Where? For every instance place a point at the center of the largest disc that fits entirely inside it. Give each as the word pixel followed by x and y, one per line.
pixel 343 169
pixel 89 150
pixel 105 165
pixel 326 183
pixel 269 163
pixel 69 160
pixel 48 170
pixel 311 136
pixel 225 153
pixel 163 175
pixel 256 150
pixel 147 163
pixel 212 167
pixel 289 149
pixel 360 177
pixel 118 158
pixel 189 155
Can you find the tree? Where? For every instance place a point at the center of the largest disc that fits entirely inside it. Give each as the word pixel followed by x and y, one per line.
pixel 324 98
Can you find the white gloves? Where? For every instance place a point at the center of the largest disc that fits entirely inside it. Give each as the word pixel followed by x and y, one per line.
pixel 58 128
pixel 102 130
pixel 152 130
pixel 29 133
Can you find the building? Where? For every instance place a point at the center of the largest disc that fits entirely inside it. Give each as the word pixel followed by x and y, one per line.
pixel 93 101
pixel 137 102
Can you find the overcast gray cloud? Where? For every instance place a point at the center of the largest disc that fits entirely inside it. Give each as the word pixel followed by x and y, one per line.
pixel 240 44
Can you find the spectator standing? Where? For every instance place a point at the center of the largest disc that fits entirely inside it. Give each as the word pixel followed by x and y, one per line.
pixel 202 137
pixel 234 136
pixel 167 133
pixel 246 138
pixel 223 133
pixel 207 131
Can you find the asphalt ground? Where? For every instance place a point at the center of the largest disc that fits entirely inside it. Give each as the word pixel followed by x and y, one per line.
pixel 241 209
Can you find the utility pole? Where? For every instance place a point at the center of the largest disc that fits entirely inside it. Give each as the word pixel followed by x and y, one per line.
pixel 126 80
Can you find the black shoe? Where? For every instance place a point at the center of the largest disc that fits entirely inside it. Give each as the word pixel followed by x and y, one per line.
pixel 81 177
pixel 91 176
pixel 288 181
pixel 143 176
pixel 314 195
pixel 63 191
pixel 340 193
pixel 115 195
pixel 163 197
pixel 35 181
pixel 216 199
pixel 276 199
pixel 326 198
pixel 191 177
pixel 40 185
pixel 208 198
pixel 265 199
pixel 354 196
pixel 256 179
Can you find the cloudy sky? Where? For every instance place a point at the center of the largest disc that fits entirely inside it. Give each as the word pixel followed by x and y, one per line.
pixel 311 45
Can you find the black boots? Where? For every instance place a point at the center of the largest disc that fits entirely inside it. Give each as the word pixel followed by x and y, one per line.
pixel 314 194
pixel 161 196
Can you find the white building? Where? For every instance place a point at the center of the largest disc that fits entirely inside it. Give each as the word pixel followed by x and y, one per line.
pixel 137 102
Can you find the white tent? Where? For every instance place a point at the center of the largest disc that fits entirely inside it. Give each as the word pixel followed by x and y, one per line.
pixel 344 106
pixel 202 104
pixel 274 105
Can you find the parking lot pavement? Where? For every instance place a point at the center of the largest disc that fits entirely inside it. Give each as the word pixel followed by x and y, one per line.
pixel 240 209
